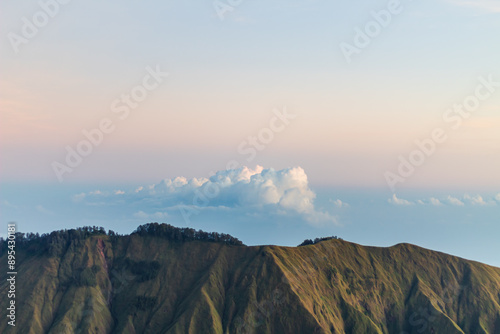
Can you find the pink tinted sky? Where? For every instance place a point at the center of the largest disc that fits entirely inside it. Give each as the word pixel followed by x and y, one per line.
pixel 225 78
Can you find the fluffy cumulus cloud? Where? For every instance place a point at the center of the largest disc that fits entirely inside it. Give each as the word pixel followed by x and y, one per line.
pixel 454 201
pixel 478 200
pixel 283 192
pixel 434 201
pixel 399 201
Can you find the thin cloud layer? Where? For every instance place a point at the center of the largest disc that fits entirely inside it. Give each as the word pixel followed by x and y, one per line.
pixel 284 192
pixel 157 216
pixel 339 203
pixel 476 200
pixel 487 5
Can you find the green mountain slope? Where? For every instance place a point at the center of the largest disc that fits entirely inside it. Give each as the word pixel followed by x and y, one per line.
pixel 147 284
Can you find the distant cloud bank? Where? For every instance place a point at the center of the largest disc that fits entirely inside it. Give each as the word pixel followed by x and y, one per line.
pixel 467 199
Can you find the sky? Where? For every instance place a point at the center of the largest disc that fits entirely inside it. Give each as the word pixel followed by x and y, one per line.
pixel 290 109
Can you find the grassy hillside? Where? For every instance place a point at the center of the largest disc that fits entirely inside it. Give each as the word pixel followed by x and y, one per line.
pixel 147 284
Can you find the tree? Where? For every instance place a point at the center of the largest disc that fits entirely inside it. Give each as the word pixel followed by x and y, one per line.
pixel 317 240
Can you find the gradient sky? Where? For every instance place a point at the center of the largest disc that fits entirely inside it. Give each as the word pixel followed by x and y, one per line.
pixel 228 77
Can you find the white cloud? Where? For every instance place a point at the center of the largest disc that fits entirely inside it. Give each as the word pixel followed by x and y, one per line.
pixel 487 5
pixel 398 201
pixel 497 197
pixel 435 201
pixel 339 204
pixel 478 200
pixel 430 201
pixel 263 190
pixel 155 216
pixel 454 201
pixel 119 192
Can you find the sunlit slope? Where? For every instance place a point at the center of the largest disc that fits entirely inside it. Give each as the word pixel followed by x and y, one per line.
pixel 388 290
pixel 145 284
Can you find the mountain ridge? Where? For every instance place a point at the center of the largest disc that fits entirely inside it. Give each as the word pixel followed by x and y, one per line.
pixel 148 284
